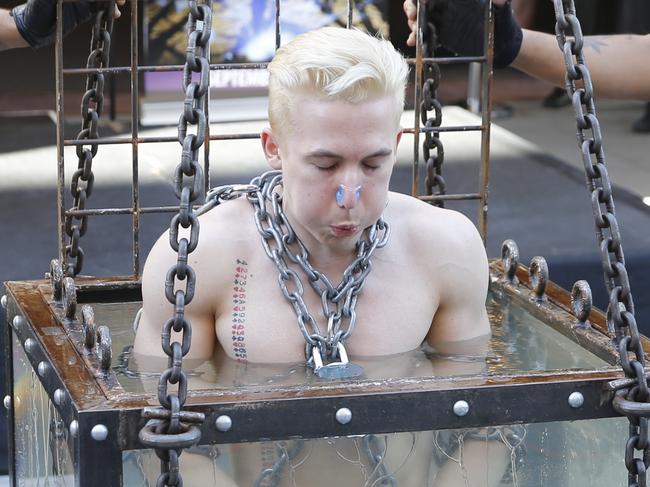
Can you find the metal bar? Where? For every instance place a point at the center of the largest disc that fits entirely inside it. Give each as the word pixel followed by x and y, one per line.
pixel 9 388
pixel 242 136
pixel 486 114
pixel 451 128
pixel 278 36
pixel 149 140
pixel 135 120
pixel 532 399
pixel 233 66
pixel 99 463
pixel 449 60
pixel 450 197
pixel 206 145
pixel 417 101
pixel 60 121
pixel 165 68
pixel 122 211
pixel 349 20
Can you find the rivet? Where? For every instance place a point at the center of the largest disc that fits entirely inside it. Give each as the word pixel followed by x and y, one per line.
pixel 59 397
pixel 17 321
pixel 223 423
pixel 461 408
pixel 99 432
pixel 30 345
pixel 344 415
pixel 7 401
pixel 576 399
pixel 42 368
pixel 74 428
pixel 3 301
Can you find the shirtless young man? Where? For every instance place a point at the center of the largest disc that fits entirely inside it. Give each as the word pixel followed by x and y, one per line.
pixel 335 101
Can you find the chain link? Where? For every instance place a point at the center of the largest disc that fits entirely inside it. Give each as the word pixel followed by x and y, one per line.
pixel 620 310
pixel 167 433
pixel 338 303
pixel 432 148
pixel 92 104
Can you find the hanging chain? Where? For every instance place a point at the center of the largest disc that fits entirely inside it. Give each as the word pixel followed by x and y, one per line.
pixel 169 431
pixel 620 310
pixel 432 149
pixel 92 104
pixel 338 303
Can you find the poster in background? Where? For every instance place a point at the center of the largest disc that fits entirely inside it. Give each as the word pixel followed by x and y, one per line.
pixel 243 31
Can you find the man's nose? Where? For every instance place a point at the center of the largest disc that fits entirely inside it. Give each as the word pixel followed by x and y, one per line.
pixel 348 196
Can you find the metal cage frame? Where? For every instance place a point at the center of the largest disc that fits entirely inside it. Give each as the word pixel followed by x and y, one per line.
pixel 35 319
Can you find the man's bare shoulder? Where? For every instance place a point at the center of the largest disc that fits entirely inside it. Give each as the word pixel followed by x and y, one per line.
pixel 431 229
pixel 225 233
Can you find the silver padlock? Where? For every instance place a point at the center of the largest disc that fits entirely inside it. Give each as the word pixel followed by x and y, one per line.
pixel 343 369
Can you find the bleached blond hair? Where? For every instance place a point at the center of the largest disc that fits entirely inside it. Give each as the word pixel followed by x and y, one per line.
pixel 334 63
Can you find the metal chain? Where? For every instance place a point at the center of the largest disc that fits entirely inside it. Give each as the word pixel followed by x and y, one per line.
pixel 92 104
pixel 166 432
pixel 434 182
pixel 620 310
pixel 338 302
pixel 376 455
pixel 271 477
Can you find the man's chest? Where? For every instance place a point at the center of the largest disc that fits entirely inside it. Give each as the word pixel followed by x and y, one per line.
pixel 257 323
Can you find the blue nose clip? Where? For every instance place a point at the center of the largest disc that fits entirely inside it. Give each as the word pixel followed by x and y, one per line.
pixel 345 193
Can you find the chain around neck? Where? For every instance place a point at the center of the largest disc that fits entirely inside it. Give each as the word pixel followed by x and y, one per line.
pixel 338 303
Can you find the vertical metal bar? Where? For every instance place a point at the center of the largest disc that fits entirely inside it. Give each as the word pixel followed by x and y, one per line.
pixel 278 34
pixel 9 382
pixel 350 9
pixel 135 120
pixel 421 4
pixel 98 463
pixel 206 145
pixel 486 114
pixel 60 120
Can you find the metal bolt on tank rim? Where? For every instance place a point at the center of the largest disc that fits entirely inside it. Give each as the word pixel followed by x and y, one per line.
pixel 576 399
pixel 99 432
pixel 343 415
pixel 223 423
pixel 461 408
pixel 17 322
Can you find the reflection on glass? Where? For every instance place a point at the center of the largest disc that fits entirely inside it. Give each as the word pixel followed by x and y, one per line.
pixel 578 454
pixel 519 343
pixel 42 456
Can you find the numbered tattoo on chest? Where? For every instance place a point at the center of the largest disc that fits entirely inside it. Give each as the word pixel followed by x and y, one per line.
pixel 238 328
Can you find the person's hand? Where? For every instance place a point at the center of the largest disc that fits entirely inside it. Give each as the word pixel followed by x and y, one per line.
pixel 36 19
pixel 459 27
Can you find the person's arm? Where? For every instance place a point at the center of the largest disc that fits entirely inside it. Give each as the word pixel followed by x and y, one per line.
pixel 157 310
pixel 462 278
pixel 33 23
pixel 617 63
pixel 10 38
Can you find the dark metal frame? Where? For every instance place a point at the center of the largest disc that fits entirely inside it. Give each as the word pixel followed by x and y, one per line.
pixel 307 411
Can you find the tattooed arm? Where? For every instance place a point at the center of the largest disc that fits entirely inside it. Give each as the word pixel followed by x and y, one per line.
pixel 618 64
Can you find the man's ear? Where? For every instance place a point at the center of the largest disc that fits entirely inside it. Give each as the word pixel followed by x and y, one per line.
pixel 271 148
